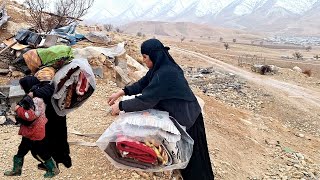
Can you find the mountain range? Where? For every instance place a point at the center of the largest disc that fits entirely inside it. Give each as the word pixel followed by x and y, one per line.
pixel 280 16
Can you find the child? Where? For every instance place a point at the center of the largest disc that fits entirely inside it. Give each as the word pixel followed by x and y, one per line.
pixel 30 114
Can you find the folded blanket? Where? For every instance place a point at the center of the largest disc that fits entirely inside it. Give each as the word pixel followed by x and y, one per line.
pixel 112 151
pixel 68 75
pixel 77 99
pixel 162 154
pixel 61 94
pixel 70 93
pixel 136 150
pixel 79 73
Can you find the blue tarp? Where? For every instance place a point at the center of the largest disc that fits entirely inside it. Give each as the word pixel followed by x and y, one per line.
pixel 68 33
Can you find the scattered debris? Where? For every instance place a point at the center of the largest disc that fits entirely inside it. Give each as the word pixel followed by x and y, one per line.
pixel 3 15
pixel 67 34
pixel 226 87
pixel 99 37
pixel 264 69
pixel 292 165
pixel 50 40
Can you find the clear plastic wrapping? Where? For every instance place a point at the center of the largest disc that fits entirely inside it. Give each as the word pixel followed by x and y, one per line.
pixel 80 68
pixel 153 128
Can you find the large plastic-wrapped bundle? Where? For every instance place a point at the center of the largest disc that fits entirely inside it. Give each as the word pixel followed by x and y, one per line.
pixel 74 84
pixel 147 140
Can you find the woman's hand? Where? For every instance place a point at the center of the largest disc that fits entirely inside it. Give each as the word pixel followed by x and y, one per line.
pixel 115 109
pixel 115 96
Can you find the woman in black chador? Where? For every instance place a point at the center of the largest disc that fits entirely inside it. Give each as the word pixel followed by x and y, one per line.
pixel 164 87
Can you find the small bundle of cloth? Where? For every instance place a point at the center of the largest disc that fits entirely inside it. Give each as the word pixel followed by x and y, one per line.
pixel 146 140
pixel 74 84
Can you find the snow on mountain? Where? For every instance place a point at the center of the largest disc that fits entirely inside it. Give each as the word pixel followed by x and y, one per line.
pixel 248 6
pixel 148 10
pixel 205 7
pixel 296 6
pixel 234 13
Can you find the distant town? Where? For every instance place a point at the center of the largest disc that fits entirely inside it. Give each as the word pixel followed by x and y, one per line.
pixel 301 40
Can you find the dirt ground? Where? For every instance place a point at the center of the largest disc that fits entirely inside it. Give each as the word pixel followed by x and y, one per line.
pixel 278 141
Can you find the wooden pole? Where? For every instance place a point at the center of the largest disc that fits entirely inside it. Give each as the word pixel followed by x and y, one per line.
pixel 3 50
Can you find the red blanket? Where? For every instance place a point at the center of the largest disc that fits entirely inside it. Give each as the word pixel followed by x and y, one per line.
pixel 136 150
pixel 82 85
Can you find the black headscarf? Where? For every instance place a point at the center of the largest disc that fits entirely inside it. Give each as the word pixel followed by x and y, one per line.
pixel 166 78
pixel 28 82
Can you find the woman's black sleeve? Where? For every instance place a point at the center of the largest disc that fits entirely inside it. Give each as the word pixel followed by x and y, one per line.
pixel 44 92
pixel 137 104
pixel 136 87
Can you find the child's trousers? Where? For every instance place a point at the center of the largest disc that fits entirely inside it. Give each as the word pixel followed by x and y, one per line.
pixel 39 149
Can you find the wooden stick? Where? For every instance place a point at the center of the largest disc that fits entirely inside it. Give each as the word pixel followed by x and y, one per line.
pixel 3 50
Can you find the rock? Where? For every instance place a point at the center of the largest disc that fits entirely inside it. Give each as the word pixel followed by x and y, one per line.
pixel 2 119
pixel 300 135
pixel 98 72
pixel 143 174
pixel 13 27
pixel 298 175
pixel 300 156
pixel 272 142
pixel 12 68
pixel 4 71
pixel 135 175
pixel 138 74
pixel 297 69
pixel 98 37
pixel 17 74
pixel 4 65
pixel 297 166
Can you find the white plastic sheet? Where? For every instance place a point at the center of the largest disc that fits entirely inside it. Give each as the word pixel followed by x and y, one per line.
pixel 91 51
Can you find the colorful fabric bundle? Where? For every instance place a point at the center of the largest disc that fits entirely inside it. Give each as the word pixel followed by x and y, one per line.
pixel 32 60
pixel 74 89
pixel 56 56
pixel 112 151
pixel 45 74
pixel 150 137
pixel 36 130
pixel 160 150
pixel 136 150
pixel 69 95
pixel 74 84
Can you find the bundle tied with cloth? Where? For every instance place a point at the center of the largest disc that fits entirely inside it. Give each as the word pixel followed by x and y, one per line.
pixel 55 57
pixel 74 83
pixel 147 140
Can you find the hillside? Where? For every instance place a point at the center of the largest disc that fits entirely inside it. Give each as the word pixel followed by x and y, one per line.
pixel 257 126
